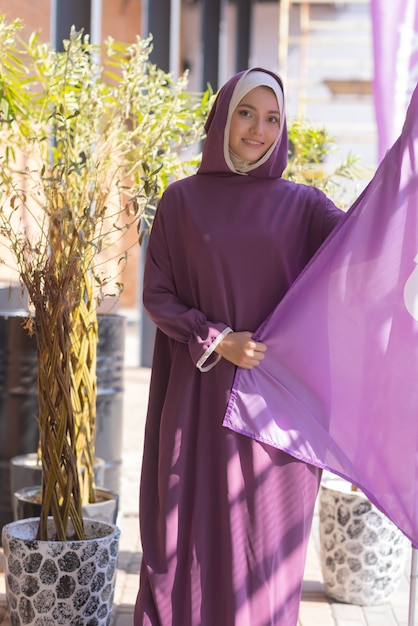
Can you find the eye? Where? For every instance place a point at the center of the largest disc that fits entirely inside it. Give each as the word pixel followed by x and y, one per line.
pixel 274 120
pixel 245 113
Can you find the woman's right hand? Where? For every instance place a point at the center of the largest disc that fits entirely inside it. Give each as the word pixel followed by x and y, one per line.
pixel 241 349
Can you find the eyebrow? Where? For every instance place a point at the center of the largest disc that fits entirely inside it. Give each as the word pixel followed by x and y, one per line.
pixel 250 106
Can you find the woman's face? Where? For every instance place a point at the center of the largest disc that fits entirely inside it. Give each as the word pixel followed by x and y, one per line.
pixel 255 124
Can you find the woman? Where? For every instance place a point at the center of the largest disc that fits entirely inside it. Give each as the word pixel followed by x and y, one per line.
pixel 225 520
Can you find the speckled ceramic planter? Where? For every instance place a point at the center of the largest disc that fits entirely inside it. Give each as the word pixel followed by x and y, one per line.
pixel 363 554
pixel 54 582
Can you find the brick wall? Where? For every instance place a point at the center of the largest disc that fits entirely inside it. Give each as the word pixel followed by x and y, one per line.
pixel 121 19
pixel 35 15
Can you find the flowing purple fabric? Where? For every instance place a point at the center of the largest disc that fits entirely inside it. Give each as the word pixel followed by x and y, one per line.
pixel 339 385
pixel 225 520
pixel 395 49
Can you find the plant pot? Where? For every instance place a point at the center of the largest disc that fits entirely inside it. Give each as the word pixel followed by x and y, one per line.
pixel 26 471
pixel 109 401
pixel 19 403
pixel 363 554
pixel 106 507
pixel 60 582
pixel 27 505
pixel 18 400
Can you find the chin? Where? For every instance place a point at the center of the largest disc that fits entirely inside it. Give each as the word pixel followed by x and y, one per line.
pixel 251 158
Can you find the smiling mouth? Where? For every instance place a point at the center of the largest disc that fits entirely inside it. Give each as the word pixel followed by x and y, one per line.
pixel 252 143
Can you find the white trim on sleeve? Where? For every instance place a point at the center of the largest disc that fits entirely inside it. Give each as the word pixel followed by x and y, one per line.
pixel 210 350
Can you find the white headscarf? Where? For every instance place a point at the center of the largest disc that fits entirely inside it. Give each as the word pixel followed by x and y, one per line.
pixel 248 81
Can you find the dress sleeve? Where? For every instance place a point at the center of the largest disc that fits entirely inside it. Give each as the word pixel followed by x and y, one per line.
pixel 322 220
pixel 332 216
pixel 170 314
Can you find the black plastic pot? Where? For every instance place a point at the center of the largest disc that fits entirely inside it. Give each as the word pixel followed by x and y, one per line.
pixel 19 433
pixel 104 510
pixel 18 401
pixel 26 471
pixel 109 404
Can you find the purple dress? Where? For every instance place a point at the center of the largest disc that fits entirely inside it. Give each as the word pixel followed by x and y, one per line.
pixel 225 520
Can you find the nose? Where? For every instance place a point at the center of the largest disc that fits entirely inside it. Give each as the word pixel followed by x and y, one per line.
pixel 257 126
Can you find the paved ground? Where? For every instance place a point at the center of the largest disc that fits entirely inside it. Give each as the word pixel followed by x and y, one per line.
pixel 316 608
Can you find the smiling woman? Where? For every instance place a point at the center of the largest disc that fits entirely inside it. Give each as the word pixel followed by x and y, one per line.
pixel 225 520
pixel 255 124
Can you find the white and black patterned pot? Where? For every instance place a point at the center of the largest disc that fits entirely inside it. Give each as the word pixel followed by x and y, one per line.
pixel 363 554
pixel 56 582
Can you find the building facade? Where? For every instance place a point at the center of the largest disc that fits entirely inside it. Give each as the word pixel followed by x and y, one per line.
pixel 322 49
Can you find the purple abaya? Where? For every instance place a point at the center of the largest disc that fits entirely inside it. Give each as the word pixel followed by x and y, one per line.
pixel 225 520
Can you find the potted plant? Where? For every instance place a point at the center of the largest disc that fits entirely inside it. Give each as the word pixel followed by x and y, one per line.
pixel 90 137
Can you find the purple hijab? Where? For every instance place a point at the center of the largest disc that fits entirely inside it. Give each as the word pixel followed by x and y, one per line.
pixel 212 159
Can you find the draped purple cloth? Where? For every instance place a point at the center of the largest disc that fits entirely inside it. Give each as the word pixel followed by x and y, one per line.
pixel 338 387
pixel 395 51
